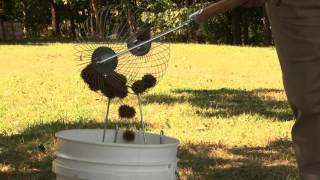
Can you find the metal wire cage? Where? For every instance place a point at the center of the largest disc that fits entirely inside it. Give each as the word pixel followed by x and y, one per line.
pixel 109 33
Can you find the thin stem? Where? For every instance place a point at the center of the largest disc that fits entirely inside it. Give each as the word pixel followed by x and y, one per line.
pixel 116 134
pixel 161 136
pixel 142 122
pixel 106 121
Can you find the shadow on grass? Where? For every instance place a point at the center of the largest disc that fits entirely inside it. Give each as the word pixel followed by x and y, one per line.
pixel 229 102
pixel 211 161
pixel 29 155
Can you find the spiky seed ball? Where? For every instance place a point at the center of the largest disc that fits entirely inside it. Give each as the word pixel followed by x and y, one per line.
pixel 128 136
pixel 126 111
pixel 118 84
pixel 92 78
pixel 149 80
pixel 138 87
pixel 121 92
pixel 116 78
pixel 119 77
pixel 107 90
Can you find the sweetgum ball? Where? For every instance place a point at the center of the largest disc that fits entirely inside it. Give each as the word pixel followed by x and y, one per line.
pixel 108 91
pixel 149 80
pixel 126 111
pixel 138 87
pixel 128 136
pixel 121 92
pixel 92 78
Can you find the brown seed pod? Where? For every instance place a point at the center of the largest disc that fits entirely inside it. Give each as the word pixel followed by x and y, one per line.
pixel 92 78
pixel 117 82
pixel 107 90
pixel 149 80
pixel 138 87
pixel 121 92
pixel 128 135
pixel 119 77
pixel 126 111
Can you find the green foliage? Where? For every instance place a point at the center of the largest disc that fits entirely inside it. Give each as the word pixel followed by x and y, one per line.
pixel 37 17
pixel 161 14
pixel 34 13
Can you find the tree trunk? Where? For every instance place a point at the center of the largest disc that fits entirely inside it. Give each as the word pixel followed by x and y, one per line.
pixel 245 31
pixel 236 28
pixel 24 17
pixel 228 29
pixel 54 20
pixel 94 7
pixel 1 6
pixel 267 29
pixel 73 25
pixel 3 34
pixel 94 14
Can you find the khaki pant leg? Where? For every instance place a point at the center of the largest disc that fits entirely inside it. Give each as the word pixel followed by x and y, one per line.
pixel 296 30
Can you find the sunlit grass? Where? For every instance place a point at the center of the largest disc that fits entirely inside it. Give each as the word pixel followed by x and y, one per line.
pixel 225 104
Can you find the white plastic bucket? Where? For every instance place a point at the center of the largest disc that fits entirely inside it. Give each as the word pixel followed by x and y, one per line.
pixel 80 154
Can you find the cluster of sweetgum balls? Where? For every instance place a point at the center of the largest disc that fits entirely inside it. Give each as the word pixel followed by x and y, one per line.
pixel 115 86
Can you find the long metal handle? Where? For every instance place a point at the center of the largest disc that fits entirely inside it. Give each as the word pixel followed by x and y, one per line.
pixel 146 42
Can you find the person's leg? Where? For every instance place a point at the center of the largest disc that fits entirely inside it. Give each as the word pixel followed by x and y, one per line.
pixel 296 30
pixel 303 91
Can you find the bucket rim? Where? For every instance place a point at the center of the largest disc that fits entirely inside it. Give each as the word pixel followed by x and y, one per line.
pixel 60 135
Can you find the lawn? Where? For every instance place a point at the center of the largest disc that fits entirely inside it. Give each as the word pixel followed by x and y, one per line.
pixel 225 104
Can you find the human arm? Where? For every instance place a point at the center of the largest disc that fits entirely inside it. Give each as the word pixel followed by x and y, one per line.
pixel 221 7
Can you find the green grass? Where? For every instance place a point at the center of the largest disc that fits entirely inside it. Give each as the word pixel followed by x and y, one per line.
pixel 225 104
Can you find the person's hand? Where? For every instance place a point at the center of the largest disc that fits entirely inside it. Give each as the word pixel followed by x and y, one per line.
pixel 196 16
pixel 254 3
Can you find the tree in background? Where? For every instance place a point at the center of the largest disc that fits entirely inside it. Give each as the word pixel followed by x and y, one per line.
pixel 59 18
pixel 54 18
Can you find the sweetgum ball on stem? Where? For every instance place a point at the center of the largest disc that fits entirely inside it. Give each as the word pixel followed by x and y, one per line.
pixel 126 111
pixel 92 78
pixel 107 90
pixel 118 84
pixel 120 77
pixel 121 91
pixel 149 80
pixel 138 87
